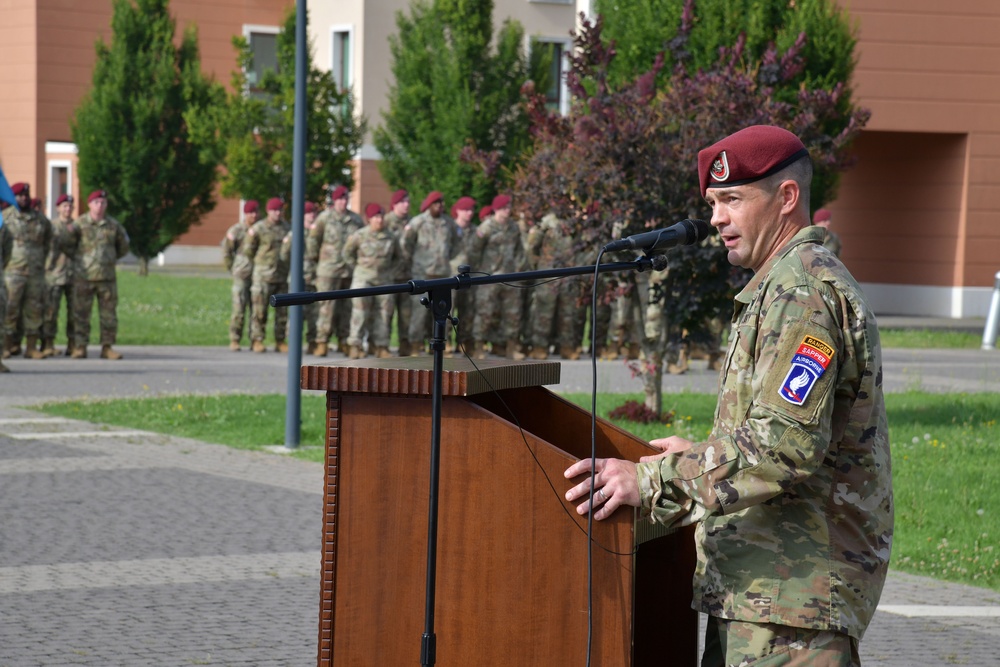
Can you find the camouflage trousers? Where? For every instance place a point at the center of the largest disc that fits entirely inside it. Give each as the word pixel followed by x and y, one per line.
pixel 421 322
pixel 740 643
pixel 50 323
pixel 555 313
pixel 106 293
pixel 260 294
pixel 310 313
pixel 3 311
pixel 464 303
pixel 25 304
pixel 403 305
pixel 498 314
pixel 334 317
pixel 241 306
pixel 371 315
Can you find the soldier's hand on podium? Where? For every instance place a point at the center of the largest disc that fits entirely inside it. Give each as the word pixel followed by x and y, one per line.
pixel 614 481
pixel 667 446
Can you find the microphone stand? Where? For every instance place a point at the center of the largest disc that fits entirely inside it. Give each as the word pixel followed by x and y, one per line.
pixel 439 301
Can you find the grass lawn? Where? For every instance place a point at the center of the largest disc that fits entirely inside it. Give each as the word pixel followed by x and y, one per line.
pixel 946 477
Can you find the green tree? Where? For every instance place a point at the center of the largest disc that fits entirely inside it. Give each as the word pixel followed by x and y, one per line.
pixel 258 127
pixel 453 93
pixel 133 132
pixel 640 29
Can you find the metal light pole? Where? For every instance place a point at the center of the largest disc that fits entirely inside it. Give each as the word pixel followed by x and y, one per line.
pixel 293 401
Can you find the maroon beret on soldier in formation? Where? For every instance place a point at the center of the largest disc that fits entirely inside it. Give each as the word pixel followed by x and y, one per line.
pixel 97 194
pixel 20 188
pixel 309 207
pixel 338 192
pixel 822 215
pixel 275 204
pixel 501 201
pixel 64 198
pixel 373 209
pixel 465 204
pixel 398 196
pixel 746 156
pixel 485 212
pixel 251 206
pixel 434 196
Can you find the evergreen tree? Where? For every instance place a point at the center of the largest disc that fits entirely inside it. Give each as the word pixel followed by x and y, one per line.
pixel 132 128
pixel 258 128
pixel 451 95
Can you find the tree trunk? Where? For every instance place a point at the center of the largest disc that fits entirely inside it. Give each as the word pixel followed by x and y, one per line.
pixel 143 266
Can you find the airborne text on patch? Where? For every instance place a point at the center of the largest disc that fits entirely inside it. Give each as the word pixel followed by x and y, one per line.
pixel 807 366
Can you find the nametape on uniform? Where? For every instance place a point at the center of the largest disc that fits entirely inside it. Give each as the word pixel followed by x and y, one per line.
pixel 807 366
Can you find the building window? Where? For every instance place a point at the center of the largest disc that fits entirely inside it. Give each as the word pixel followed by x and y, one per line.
pixel 556 94
pixel 263 43
pixel 342 63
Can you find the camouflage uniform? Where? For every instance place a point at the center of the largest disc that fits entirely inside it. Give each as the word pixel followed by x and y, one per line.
pixel 59 280
pixel 832 242
pixel 25 275
pixel 102 244
pixel 555 305
pixel 497 248
pixel 324 246
pixel 6 246
pixel 403 303
pixel 793 490
pixel 429 244
pixel 310 311
pixel 241 268
pixel 268 247
pixel 375 256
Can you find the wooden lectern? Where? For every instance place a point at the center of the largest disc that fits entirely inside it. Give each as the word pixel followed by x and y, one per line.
pixel 512 553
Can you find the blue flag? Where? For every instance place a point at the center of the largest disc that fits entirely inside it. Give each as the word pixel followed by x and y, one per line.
pixel 6 194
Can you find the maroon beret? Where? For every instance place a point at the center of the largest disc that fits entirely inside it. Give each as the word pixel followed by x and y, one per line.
pixel 97 194
pixel 822 215
pixel 501 201
pixel 64 197
pixel 338 192
pixel 749 155
pixel 373 209
pixel 485 212
pixel 465 204
pixel 36 202
pixel 19 188
pixel 398 196
pixel 251 206
pixel 430 199
pixel 275 204
pixel 309 207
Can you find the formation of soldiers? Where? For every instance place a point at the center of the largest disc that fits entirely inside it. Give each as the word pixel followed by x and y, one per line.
pixel 345 250
pixel 48 262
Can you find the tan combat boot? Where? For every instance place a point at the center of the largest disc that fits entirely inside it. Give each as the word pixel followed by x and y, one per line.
pixel 319 349
pixel 281 346
pixel 539 353
pixel 3 369
pixel 108 353
pixel 355 352
pixel 569 352
pixel 404 348
pixel 500 349
pixel 234 345
pixel 258 347
pixel 79 352
pixel 310 347
pixel 31 350
pixel 343 347
pixel 48 348
pixel 514 352
pixel 69 349
pixel 382 352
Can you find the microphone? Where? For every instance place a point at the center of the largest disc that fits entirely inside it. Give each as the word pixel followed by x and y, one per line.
pixel 685 232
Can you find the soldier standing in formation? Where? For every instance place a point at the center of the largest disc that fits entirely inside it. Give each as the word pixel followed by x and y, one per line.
pixel 395 221
pixel 823 218
pixel 24 274
pixel 103 241
pixel 324 246
pixel 268 247
pixel 59 277
pixel 241 268
pixel 374 252
pixel 557 306
pixel 464 300
pixel 310 311
pixel 497 248
pixel 6 245
pixel 430 241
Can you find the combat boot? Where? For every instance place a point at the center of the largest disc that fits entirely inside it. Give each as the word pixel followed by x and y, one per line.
pixel 500 349
pixel 234 345
pixel 310 347
pixel 355 352
pixel 48 348
pixel 69 349
pixel 539 353
pixel 343 347
pixel 281 346
pixel 108 353
pixel 258 347
pixel 715 361
pixel 404 348
pixel 79 352
pixel 3 369
pixel 569 352
pixel 479 350
pixel 514 352
pixel 319 349
pixel 31 349
pixel 382 352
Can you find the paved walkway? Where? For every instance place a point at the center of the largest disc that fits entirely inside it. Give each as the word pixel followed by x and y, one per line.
pixel 121 547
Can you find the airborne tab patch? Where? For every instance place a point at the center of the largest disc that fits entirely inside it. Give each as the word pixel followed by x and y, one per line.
pixel 807 366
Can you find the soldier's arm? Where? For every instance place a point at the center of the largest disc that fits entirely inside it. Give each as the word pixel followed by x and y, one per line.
pixel 250 244
pixel 121 242
pixel 780 443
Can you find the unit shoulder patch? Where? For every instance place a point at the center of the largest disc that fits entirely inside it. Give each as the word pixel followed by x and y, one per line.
pixel 808 364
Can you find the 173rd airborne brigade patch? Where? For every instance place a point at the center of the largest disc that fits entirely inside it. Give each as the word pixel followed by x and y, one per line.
pixel 808 365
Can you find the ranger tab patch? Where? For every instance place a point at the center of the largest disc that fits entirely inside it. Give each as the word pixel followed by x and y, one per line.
pixel 808 365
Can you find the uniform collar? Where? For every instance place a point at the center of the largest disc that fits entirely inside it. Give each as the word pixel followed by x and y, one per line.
pixel 809 234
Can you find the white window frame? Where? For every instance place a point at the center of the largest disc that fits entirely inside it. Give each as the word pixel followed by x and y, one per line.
pixel 51 164
pixel 250 28
pixel 335 64
pixel 567 45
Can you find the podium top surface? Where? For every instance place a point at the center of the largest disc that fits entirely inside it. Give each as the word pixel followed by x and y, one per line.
pixel 414 376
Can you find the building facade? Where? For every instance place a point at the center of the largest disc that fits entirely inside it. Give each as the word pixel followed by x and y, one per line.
pixel 917 214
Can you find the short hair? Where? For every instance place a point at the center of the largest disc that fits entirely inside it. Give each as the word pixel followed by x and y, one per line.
pixel 800 171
